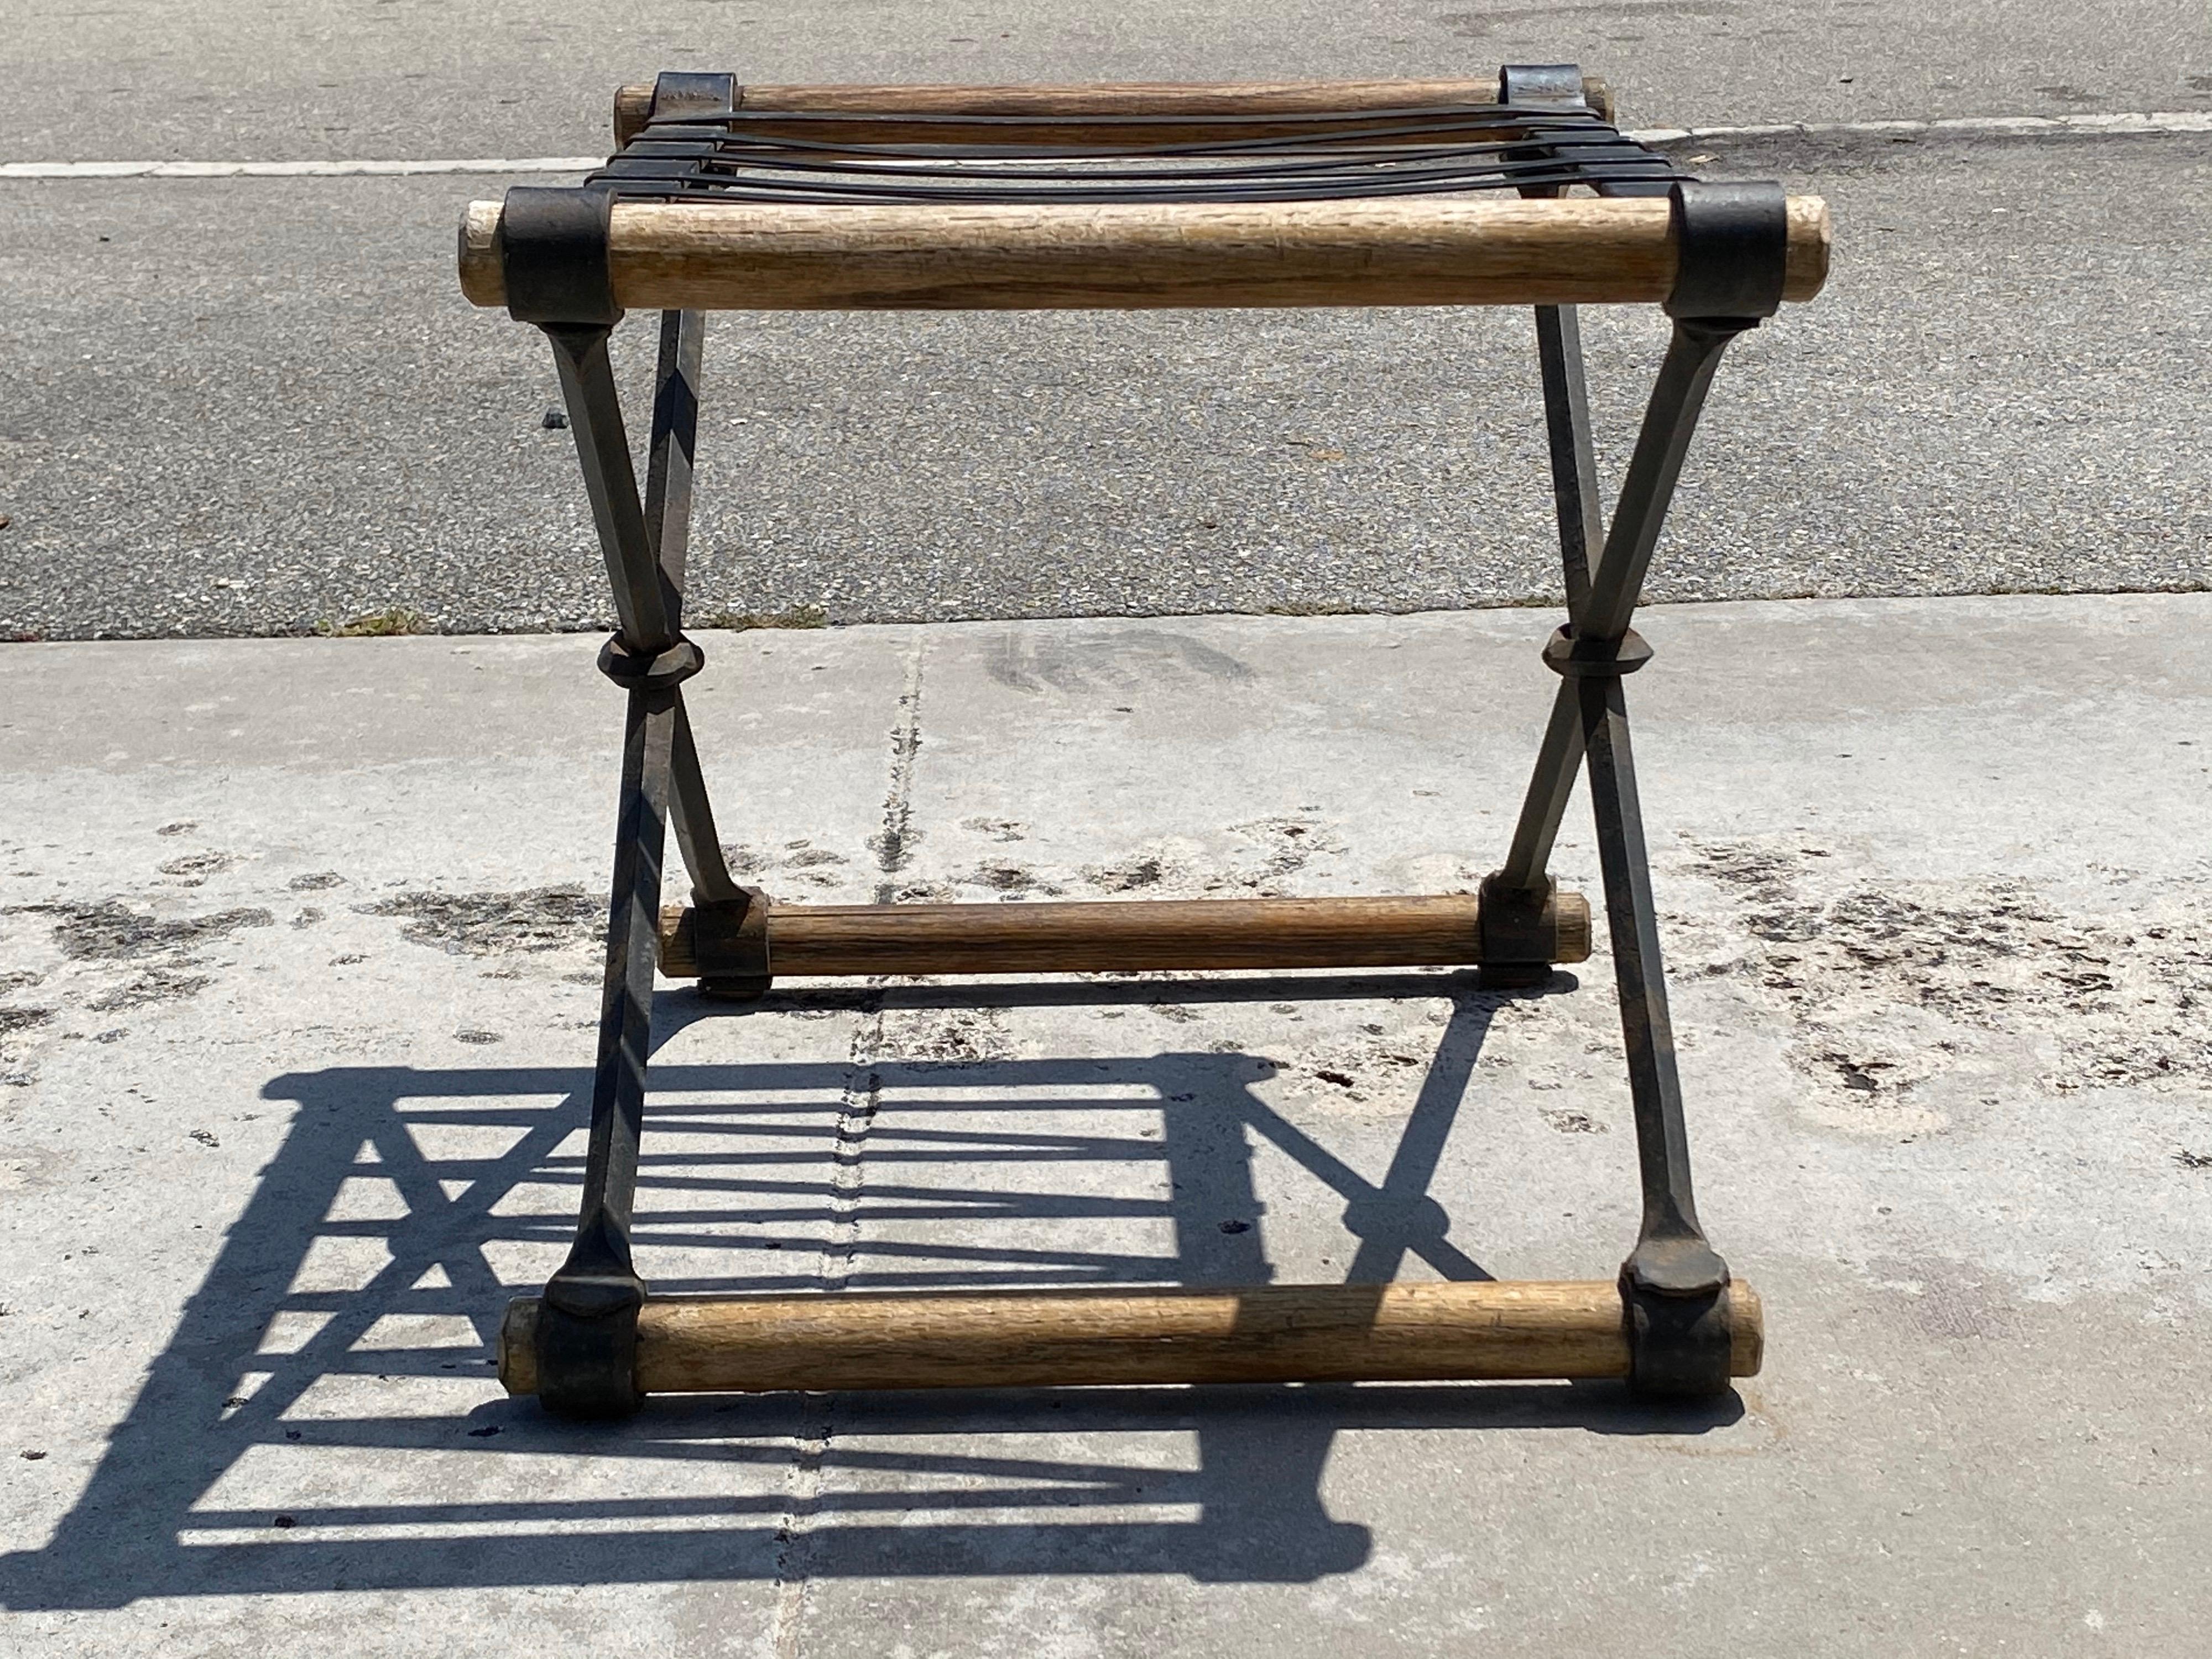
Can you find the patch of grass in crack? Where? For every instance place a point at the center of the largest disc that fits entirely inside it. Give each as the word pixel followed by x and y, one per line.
pixel 376 624
pixel 738 622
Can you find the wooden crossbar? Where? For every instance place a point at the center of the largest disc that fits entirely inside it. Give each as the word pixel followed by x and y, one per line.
pixel 1466 1331
pixel 1128 936
pixel 1067 104
pixel 1407 251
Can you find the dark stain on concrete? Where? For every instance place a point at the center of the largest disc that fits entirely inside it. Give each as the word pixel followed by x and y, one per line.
pixel 109 931
pixel 493 923
pixel 150 986
pixel 198 864
pixel 13 1020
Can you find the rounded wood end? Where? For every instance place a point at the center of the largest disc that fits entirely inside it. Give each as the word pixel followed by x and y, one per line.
pixel 633 108
pixel 1747 1330
pixel 515 1347
pixel 1572 920
pixel 482 279
pixel 679 959
pixel 1809 234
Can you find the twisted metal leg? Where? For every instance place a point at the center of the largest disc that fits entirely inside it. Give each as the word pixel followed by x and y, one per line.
pixel 586 1335
pixel 1673 1286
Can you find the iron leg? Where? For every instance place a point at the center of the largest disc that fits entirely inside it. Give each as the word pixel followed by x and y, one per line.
pixel 586 1337
pixel 1673 1286
pixel 1521 880
pixel 1574 454
pixel 587 1332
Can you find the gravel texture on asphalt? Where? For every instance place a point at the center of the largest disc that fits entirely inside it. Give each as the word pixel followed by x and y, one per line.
pixel 251 406
pixel 314 79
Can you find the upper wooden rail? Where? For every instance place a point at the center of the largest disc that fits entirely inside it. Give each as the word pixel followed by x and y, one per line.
pixel 1403 251
pixel 1070 104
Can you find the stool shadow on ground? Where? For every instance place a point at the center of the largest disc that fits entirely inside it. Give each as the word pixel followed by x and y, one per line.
pixel 324 1417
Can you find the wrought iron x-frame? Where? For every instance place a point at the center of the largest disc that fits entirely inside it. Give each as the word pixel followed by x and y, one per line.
pixel 1730 241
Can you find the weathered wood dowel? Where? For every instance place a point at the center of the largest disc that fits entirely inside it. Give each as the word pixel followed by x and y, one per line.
pixel 1406 251
pixel 1129 936
pixel 634 106
pixel 1043 1338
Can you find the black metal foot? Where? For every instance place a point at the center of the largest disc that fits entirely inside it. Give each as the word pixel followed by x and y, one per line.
pixel 1674 1301
pixel 587 1344
pixel 1520 931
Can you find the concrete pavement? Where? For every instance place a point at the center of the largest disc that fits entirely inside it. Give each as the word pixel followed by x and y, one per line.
pixel 297 1005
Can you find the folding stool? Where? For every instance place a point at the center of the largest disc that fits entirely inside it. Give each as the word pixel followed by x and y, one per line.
pixel 1428 193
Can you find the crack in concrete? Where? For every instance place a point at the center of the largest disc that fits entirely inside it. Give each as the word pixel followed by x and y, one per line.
pixel 894 844
pixel 856 1113
pixel 803 1490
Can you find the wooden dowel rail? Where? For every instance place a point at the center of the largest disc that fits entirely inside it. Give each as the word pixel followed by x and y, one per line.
pixel 1128 936
pixel 1481 1331
pixel 1408 250
pixel 1069 104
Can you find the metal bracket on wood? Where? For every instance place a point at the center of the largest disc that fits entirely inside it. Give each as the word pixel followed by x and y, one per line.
pixel 680 93
pixel 586 1334
pixel 728 941
pixel 1520 933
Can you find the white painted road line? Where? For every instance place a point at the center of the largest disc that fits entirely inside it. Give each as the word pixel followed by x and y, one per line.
pixel 1965 125
pixel 293 170
pixel 1970 125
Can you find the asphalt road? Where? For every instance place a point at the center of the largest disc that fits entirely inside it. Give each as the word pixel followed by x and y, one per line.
pixel 202 78
pixel 260 406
